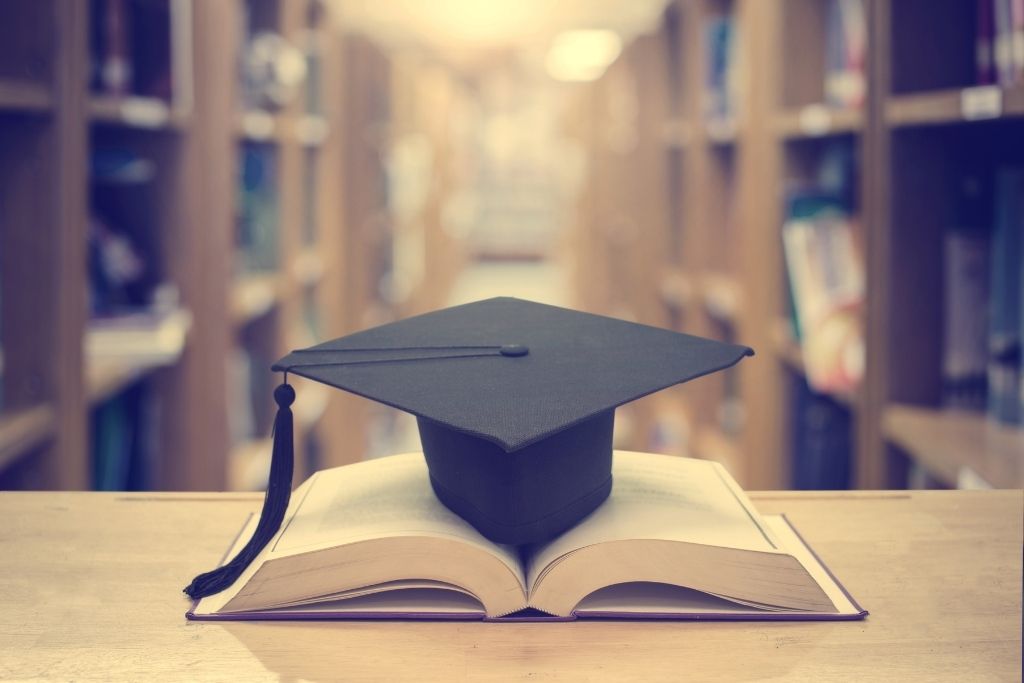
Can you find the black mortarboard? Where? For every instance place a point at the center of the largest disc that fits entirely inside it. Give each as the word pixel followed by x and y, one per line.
pixel 515 403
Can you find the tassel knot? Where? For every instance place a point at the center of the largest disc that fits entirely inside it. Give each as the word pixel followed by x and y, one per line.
pixel 275 503
pixel 284 395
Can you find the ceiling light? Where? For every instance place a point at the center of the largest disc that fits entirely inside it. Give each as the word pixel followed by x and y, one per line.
pixel 582 55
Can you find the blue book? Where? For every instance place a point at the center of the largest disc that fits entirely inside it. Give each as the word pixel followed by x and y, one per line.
pixel 1004 370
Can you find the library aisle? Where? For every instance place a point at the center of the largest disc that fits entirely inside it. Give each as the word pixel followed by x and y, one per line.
pixel 191 189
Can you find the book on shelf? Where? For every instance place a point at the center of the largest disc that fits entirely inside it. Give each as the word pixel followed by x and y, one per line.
pixel 845 55
pixel 821 437
pixel 827 288
pixel 999 42
pixel 109 47
pixel 258 217
pixel 141 48
pixel 677 539
pixel 984 44
pixel 721 84
pixel 966 282
pixel 124 435
pixel 1017 41
pixel 1006 300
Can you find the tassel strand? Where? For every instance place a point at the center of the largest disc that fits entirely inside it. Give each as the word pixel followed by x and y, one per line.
pixel 275 503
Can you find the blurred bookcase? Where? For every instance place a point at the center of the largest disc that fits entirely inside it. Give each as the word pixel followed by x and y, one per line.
pixel 698 139
pixel 128 118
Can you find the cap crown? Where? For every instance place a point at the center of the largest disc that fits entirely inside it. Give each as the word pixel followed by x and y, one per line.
pixel 447 366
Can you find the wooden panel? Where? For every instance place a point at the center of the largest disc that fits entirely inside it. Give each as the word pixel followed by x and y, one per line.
pixel 803 52
pixel 871 469
pixel 195 437
pixel 67 466
pixel 23 430
pixel 759 216
pixel 959 617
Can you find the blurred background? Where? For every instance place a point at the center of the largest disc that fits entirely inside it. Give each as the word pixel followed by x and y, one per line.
pixel 191 188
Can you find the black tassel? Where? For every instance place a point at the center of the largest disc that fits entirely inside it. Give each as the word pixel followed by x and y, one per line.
pixel 275 504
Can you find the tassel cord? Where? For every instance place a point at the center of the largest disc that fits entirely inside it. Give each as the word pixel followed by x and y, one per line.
pixel 275 502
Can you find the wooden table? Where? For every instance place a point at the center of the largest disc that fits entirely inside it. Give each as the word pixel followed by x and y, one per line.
pixel 90 588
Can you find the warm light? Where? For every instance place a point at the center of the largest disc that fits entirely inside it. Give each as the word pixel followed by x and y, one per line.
pixel 582 55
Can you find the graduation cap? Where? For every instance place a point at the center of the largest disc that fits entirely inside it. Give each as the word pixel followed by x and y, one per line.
pixel 514 400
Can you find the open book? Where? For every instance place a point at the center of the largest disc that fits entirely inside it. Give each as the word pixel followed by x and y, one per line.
pixel 677 538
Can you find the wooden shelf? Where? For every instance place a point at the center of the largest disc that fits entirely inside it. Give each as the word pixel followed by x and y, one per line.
pixel 23 430
pixel 721 296
pixel 957 446
pixel 312 131
pixel 308 267
pixel 249 465
pixel 193 138
pixel 816 121
pixel 676 134
pixel 955 106
pixel 253 296
pixel 118 356
pixel 21 97
pixel 107 377
pixel 148 113
pixel 721 133
pixel 260 126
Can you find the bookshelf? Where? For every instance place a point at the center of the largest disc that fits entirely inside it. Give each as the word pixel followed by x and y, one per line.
pixel 692 140
pixel 904 130
pixel 133 112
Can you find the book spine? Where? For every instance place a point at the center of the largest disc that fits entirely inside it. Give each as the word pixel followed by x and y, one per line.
pixel 721 79
pixel 115 65
pixel 984 53
pixel 965 348
pixel 1004 368
pixel 845 41
pixel 1017 40
pixel 1002 47
pixel 966 283
pixel 822 445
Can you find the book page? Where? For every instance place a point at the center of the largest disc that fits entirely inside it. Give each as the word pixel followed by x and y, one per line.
pixel 396 604
pixel 376 499
pixel 379 498
pixel 636 599
pixel 664 498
